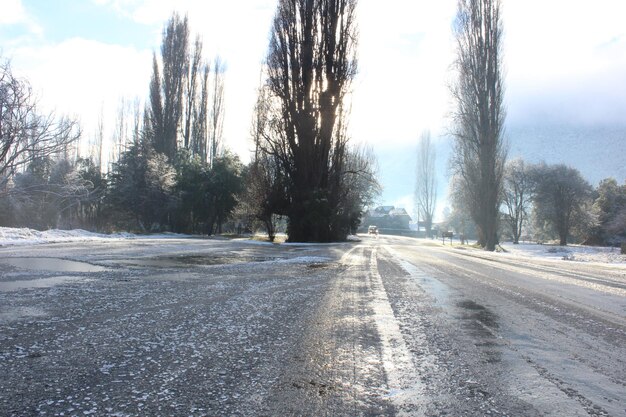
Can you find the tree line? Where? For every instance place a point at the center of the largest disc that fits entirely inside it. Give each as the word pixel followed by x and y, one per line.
pixel 494 197
pixel 545 202
pixel 166 167
pixel 169 168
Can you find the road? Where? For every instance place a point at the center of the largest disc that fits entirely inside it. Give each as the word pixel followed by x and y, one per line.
pixel 384 326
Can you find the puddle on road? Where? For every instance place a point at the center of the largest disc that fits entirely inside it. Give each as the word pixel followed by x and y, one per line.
pixel 482 323
pixel 8 286
pixel 479 313
pixel 52 265
pixel 189 260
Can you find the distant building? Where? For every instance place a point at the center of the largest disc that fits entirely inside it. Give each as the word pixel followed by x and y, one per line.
pixel 388 219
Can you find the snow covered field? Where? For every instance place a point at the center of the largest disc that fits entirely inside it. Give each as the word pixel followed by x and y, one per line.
pixel 567 253
pixel 22 236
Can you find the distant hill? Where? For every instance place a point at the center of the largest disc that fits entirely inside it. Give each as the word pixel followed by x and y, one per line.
pixel 597 151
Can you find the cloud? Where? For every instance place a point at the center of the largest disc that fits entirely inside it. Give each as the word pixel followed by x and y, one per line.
pixel 560 56
pixel 239 35
pixel 404 56
pixel 13 13
pixel 566 63
pixel 406 202
pixel 80 77
pixel 546 40
pixel 405 52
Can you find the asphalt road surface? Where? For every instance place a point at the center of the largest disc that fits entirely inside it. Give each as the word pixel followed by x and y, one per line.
pixel 385 326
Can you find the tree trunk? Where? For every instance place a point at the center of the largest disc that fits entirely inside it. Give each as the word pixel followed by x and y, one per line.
pixel 269 226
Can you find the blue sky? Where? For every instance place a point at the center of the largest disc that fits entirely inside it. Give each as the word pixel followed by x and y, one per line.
pixel 65 19
pixel 565 62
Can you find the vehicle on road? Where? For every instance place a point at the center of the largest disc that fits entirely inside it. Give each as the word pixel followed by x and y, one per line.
pixel 372 230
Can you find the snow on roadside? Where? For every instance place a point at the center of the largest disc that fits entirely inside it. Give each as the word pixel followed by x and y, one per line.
pixel 569 253
pixel 10 236
pixel 281 239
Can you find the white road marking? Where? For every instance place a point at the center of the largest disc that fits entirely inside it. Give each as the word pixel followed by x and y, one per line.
pixel 406 390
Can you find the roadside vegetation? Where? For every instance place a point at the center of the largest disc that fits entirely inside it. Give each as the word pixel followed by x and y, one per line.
pixel 167 166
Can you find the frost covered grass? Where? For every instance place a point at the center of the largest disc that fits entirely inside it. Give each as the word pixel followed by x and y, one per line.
pixel 569 253
pixel 10 236
pixel 579 253
pixel 281 238
pixel 23 236
pixel 263 238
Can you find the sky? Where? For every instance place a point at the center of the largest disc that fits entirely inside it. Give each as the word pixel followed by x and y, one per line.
pixel 565 62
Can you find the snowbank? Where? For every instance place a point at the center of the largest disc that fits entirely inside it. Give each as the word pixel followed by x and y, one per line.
pixel 24 236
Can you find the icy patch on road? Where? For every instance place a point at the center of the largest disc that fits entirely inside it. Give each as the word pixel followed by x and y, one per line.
pixel 52 265
pixel 303 260
pixel 256 242
pixel 9 286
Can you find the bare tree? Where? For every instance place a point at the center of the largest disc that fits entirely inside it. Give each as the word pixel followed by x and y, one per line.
pixel 479 116
pixel 517 194
pixel 121 133
pixel 426 182
pixel 175 55
pixel 562 198
pixel 25 133
pixel 100 142
pixel 96 144
pixel 265 194
pixel 311 63
pixel 155 124
pixel 360 185
pixel 167 86
pixel 200 124
pixel 216 116
pixel 137 119
pixel 191 93
pixel 459 218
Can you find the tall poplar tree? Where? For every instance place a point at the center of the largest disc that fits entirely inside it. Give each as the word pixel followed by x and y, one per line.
pixel 426 182
pixel 311 63
pixel 168 85
pixel 480 152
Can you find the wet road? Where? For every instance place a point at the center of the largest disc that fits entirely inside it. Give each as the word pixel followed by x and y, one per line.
pixel 386 326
